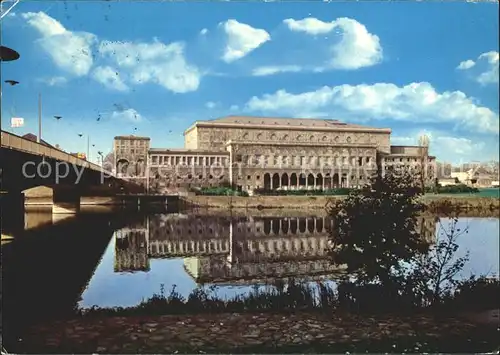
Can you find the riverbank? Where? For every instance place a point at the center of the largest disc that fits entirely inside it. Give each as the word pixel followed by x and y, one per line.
pixel 299 332
pixel 434 202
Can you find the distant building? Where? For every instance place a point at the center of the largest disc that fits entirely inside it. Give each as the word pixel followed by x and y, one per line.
pixel 34 138
pixel 270 153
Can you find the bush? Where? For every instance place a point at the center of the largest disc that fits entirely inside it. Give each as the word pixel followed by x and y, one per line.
pixel 326 192
pixel 219 191
pixel 452 189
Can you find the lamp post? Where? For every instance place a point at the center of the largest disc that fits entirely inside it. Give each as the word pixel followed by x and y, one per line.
pixel 88 144
pixel 102 158
pixel 6 55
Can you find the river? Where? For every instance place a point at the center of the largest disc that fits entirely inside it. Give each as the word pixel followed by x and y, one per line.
pixel 119 260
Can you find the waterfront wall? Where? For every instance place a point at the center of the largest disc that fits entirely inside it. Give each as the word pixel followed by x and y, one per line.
pixel 320 202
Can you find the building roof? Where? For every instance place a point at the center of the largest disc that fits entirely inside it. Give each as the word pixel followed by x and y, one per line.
pixel 305 123
pixel 34 138
pixel 132 137
pixel 187 151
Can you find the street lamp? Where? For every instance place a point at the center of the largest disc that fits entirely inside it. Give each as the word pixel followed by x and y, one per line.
pixel 102 157
pixel 6 55
pixel 88 144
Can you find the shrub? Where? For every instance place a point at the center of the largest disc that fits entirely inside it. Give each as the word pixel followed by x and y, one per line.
pixel 452 189
pixel 220 191
pixel 317 192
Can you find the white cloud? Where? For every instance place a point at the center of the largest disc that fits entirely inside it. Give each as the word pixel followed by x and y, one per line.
pixel 491 75
pixel 154 62
pixel 210 104
pixel 357 47
pixel 203 31
pixel 416 102
pixel 486 65
pixel 309 25
pixel 110 78
pixel 466 64
pixel 452 149
pixel 55 81
pixel 128 115
pixel 241 39
pixel 70 51
pixel 271 70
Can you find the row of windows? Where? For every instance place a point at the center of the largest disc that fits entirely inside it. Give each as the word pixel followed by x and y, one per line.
pixel 131 143
pixel 123 151
pixel 301 137
pixel 193 177
pixel 283 245
pixel 301 160
pixel 188 160
pixel 303 177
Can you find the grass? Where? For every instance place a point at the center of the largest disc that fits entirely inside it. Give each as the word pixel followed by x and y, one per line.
pixel 474 295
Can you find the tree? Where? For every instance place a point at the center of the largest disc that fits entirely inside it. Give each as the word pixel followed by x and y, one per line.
pixel 109 161
pixel 375 227
pixel 433 275
pixel 424 154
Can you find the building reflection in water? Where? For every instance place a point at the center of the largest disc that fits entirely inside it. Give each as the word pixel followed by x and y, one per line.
pixel 237 250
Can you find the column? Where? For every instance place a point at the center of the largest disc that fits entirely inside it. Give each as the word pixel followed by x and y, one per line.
pixel 340 178
pixel 65 199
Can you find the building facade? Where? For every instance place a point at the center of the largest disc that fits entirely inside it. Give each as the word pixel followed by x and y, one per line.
pixel 270 153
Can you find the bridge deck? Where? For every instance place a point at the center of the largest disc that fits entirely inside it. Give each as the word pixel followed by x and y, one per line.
pixel 14 142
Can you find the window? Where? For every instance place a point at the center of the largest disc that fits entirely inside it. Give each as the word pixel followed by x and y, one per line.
pixel 249 177
pixel 258 177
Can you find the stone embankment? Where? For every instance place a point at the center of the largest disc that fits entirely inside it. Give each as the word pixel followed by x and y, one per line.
pixel 247 333
pixel 320 202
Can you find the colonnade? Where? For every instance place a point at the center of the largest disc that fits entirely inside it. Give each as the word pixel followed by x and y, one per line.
pixel 312 181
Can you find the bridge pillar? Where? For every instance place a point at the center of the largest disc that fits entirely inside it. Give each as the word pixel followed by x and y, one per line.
pixel 65 200
pixel 12 212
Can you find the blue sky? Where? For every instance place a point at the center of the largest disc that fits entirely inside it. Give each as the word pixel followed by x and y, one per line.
pixel 154 68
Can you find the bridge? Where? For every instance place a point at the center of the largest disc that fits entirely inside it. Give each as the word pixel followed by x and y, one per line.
pixel 25 164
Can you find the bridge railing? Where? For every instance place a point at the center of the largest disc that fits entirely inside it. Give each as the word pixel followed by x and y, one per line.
pixel 13 141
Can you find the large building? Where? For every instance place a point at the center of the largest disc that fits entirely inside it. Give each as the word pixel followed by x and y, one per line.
pixel 270 153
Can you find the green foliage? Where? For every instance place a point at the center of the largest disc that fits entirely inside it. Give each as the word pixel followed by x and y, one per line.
pixel 276 297
pixel 326 192
pixel 376 227
pixel 432 277
pixel 294 296
pixel 220 191
pixel 452 189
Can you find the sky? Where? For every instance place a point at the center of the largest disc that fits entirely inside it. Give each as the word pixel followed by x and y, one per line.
pixel 154 68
